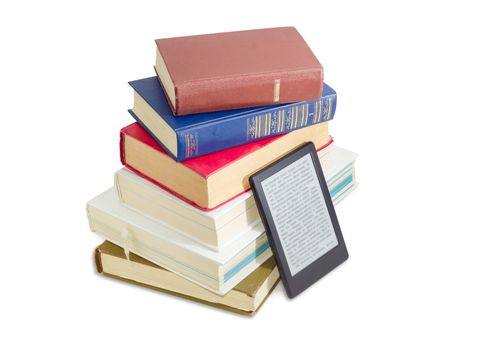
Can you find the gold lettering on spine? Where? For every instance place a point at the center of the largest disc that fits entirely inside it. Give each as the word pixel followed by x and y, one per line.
pixel 329 108
pixel 277 84
pixel 302 115
pixel 293 115
pixel 259 126
pixel 293 118
pixel 320 110
pixel 296 119
pixel 265 124
pixel 269 123
pixel 320 106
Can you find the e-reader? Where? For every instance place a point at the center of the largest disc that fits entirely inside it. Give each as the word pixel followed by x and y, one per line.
pixel 295 206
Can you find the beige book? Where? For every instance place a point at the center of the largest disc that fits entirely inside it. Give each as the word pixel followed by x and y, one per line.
pixel 217 227
pixel 245 298
pixel 218 271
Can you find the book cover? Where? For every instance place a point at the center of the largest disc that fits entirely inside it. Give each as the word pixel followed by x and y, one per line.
pixel 192 136
pixel 245 298
pixel 213 72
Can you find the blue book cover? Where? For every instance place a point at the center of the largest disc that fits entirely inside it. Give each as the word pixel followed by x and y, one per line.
pixel 204 133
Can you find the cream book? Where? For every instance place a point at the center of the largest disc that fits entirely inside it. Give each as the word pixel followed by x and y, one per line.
pixel 244 298
pixel 218 227
pixel 218 271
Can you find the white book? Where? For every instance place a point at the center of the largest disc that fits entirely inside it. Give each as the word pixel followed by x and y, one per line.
pixel 218 271
pixel 347 191
pixel 218 227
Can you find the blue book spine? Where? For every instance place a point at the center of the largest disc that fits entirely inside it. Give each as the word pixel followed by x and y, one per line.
pixel 218 135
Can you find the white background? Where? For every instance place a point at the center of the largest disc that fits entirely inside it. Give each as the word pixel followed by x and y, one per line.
pixel 406 76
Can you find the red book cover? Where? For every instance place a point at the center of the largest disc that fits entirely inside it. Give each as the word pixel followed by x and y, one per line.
pixel 204 166
pixel 212 72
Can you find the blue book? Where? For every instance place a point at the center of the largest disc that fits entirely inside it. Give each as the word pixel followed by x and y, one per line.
pixel 194 135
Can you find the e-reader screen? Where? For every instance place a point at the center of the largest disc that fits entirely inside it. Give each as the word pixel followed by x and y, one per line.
pixel 300 214
pixel 296 209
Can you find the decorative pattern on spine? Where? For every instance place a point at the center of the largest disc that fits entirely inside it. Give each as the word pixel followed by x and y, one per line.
pixel 218 135
pixel 288 119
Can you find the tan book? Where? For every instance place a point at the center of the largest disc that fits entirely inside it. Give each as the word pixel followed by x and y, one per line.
pixel 211 180
pixel 245 298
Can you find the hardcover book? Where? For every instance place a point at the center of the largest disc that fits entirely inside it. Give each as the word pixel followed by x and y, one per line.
pixel 215 72
pixel 218 227
pixel 208 181
pixel 218 271
pixel 245 298
pixel 195 135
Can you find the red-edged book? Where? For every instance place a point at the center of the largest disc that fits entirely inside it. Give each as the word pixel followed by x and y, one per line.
pixel 208 181
pixel 214 72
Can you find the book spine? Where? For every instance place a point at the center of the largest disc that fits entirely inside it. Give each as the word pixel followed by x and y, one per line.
pixel 219 135
pixel 122 147
pixel 248 91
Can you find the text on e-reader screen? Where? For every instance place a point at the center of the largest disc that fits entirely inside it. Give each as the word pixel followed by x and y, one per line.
pixel 300 213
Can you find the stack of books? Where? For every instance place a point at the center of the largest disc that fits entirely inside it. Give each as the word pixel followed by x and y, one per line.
pixel 181 217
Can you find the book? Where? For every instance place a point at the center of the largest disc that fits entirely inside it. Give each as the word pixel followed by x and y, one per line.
pixel 346 192
pixel 196 135
pixel 218 271
pixel 245 298
pixel 218 227
pixel 211 180
pixel 221 71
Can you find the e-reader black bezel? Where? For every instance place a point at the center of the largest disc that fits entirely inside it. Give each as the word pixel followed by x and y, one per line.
pixel 303 279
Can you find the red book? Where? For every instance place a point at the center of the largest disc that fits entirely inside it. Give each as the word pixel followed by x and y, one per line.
pixel 213 72
pixel 211 180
